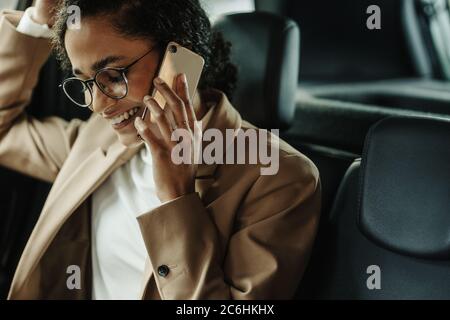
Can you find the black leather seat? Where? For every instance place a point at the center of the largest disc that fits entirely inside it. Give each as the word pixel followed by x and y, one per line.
pixel 392 211
pixel 266 50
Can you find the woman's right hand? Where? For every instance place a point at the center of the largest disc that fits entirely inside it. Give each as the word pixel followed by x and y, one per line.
pixel 45 11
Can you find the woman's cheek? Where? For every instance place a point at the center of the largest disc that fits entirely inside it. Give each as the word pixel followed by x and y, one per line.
pixel 139 88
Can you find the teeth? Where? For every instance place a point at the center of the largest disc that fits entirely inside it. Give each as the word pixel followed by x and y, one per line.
pixel 125 116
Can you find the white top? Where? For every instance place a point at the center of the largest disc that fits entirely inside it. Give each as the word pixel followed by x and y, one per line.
pixel 118 249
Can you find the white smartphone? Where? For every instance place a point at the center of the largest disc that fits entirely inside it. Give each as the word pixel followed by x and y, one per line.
pixel 178 59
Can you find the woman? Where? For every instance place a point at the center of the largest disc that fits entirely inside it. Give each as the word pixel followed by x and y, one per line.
pixel 122 220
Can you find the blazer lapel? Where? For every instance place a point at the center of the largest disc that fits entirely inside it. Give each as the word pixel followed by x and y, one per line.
pixel 222 117
pixel 72 192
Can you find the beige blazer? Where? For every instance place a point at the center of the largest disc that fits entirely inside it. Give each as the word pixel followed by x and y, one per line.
pixel 241 235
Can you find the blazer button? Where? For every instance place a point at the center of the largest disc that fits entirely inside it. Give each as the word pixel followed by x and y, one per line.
pixel 163 270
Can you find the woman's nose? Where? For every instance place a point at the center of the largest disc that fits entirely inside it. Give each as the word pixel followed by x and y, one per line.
pixel 100 101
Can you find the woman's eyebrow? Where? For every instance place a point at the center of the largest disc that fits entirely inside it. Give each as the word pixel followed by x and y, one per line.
pixel 104 62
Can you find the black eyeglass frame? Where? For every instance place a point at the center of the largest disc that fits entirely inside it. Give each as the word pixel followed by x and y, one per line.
pixel 122 71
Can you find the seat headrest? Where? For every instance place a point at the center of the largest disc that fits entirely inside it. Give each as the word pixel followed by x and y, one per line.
pixel 404 200
pixel 266 50
pixel 352 53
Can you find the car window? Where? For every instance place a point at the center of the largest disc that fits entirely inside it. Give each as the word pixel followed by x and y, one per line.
pixel 8 4
pixel 437 13
pixel 215 8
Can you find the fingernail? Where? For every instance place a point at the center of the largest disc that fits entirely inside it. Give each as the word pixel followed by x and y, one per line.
pixel 151 106
pixel 139 124
pixel 147 100
pixel 183 78
pixel 158 80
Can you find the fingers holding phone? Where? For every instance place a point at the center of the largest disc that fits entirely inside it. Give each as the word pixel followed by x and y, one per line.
pixel 172 179
pixel 171 107
pixel 178 112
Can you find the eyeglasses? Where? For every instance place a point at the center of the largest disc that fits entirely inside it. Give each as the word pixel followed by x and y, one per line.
pixel 112 82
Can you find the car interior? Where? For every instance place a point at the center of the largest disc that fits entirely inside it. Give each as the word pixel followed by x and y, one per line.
pixel 370 108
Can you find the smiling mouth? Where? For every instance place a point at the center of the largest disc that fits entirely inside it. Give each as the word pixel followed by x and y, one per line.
pixel 125 118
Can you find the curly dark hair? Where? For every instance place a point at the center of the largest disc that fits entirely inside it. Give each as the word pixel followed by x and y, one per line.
pixel 159 21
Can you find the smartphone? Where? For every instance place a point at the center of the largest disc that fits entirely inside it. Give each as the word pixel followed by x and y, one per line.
pixel 178 59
